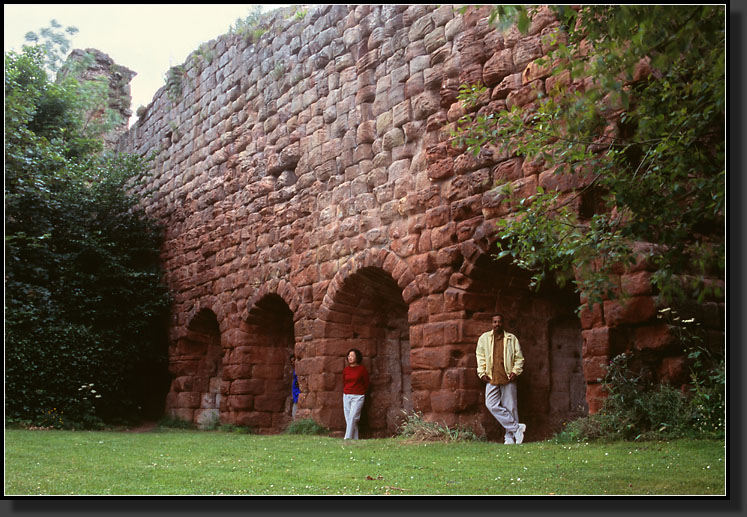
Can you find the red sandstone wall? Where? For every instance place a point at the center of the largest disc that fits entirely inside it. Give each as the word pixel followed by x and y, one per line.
pixel 310 175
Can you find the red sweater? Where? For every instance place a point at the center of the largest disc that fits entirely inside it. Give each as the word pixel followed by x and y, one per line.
pixel 355 380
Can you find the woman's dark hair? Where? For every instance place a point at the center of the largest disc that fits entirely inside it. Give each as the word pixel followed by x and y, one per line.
pixel 358 355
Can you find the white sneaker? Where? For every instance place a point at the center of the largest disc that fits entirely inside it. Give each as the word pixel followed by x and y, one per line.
pixel 508 439
pixel 519 433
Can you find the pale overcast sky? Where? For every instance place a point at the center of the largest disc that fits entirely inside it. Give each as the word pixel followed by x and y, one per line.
pixel 146 38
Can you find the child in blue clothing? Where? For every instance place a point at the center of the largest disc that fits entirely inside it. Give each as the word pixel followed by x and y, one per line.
pixel 295 390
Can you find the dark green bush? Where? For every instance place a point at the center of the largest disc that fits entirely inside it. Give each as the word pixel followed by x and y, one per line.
pixel 637 409
pixel 85 306
pixel 708 404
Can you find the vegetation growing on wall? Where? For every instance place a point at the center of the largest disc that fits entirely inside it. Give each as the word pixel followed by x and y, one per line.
pixel 203 54
pixel 176 78
pixel 638 409
pixel 249 27
pixel 84 305
pixel 641 114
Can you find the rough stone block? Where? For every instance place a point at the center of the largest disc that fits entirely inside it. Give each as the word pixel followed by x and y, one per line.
pixel 596 342
pixel 636 284
pixel 595 368
pixel 526 94
pixel 674 370
pixel 637 309
pixel 654 337
pixel 498 67
pixel 595 397
pixel 461 378
pixel 425 380
pixel 591 316
pixel 430 358
pixel 425 104
pixel 526 50
pixel 510 83
pixel 188 399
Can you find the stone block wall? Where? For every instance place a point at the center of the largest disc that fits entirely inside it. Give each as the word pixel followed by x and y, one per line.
pixel 313 203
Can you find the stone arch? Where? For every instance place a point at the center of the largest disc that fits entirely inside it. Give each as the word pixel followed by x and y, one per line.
pixel 366 307
pixel 552 389
pixel 258 373
pixel 196 363
pixel 279 287
pixel 382 259
pixel 208 304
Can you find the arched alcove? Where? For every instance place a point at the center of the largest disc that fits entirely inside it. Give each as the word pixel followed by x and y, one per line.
pixel 259 372
pixel 367 312
pixel 552 388
pixel 196 362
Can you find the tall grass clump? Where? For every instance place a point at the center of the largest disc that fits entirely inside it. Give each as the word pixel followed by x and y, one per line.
pixel 415 427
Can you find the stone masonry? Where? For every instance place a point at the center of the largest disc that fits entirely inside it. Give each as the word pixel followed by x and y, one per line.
pixel 313 203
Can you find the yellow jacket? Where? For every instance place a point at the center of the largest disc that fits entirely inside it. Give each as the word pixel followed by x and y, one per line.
pixel 513 359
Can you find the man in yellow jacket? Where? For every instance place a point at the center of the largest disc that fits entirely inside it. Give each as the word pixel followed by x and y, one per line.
pixel 499 362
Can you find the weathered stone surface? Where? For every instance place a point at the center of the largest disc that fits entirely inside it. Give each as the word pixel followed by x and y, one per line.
pixel 637 309
pixel 525 94
pixel 509 84
pixel 329 209
pixel 498 67
pixel 100 66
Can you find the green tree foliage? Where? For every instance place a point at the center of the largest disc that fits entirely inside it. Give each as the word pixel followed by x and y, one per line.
pixel 54 43
pixel 639 112
pixel 84 302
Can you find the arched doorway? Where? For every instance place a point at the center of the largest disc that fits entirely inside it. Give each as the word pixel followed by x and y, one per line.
pixel 368 313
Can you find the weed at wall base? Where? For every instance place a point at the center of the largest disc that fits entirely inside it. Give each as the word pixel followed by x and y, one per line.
pixel 306 426
pixel 415 427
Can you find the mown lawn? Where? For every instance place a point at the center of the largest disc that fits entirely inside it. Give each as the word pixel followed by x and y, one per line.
pixel 192 462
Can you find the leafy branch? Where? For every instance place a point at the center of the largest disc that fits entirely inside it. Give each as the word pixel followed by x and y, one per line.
pixel 654 143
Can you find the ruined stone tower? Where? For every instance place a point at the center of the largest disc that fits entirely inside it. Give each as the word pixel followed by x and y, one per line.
pixel 92 65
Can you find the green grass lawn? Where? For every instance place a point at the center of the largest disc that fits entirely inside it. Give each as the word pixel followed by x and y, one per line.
pixel 193 462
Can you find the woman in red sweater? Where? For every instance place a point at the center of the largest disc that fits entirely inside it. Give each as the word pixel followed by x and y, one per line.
pixel 355 384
